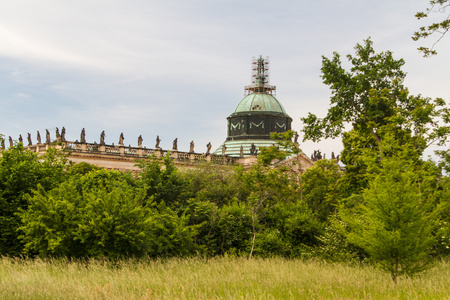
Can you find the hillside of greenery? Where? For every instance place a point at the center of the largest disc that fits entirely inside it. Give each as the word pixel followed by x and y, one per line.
pixel 387 206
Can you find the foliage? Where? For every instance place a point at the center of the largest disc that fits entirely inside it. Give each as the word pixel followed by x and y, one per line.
pixel 436 28
pixel 442 247
pixel 101 215
pixel 213 184
pixel 284 147
pixel 270 243
pixel 395 226
pixel 232 231
pixel 21 171
pixel 355 177
pixel 444 159
pixel 204 215
pixel 82 168
pixel 267 187
pixel 320 188
pixel 297 227
pixel 372 99
pixel 334 245
pixel 162 183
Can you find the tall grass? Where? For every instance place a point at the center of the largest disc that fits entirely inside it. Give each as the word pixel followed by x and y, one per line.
pixel 218 278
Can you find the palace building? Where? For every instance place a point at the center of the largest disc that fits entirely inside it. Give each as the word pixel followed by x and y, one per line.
pixel 249 128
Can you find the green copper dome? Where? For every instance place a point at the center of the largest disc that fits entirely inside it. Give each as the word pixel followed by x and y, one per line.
pixel 259 102
pixel 255 117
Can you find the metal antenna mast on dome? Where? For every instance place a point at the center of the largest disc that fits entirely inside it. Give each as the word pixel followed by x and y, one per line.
pixel 260 78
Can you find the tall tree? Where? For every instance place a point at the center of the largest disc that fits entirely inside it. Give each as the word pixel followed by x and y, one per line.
pixel 436 28
pixel 371 98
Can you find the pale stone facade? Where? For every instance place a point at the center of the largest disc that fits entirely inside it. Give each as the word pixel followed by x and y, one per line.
pixel 124 158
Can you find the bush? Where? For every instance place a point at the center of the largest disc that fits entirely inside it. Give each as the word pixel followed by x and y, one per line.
pixel 107 219
pixel 21 171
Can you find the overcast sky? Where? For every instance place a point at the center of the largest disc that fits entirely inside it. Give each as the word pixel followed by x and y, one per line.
pixel 177 69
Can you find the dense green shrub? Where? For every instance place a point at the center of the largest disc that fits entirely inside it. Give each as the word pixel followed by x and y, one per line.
pixel 21 171
pixel 163 183
pixel 101 215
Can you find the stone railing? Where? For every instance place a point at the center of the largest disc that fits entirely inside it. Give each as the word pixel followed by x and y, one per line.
pixel 136 152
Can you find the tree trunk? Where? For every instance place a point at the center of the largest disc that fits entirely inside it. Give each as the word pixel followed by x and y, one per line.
pixel 377 137
pixel 253 245
pixel 254 232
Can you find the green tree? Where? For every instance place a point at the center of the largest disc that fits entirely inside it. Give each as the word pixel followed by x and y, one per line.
pixel 82 168
pixel 296 226
pixel 436 28
pixel 21 171
pixel 444 159
pixel 203 214
pixel 267 187
pixel 284 149
pixel 102 214
pixel 320 188
pixel 395 224
pixel 372 99
pixel 210 183
pixel 355 177
pixel 225 230
pixel 162 181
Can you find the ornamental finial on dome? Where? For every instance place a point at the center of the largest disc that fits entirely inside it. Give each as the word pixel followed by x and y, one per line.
pixel 260 77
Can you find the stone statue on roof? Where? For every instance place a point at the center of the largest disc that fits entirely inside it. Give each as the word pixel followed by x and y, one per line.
pixel 317 155
pixel 63 134
pixel 38 137
pixel 191 148
pixel 102 138
pixel 47 137
pixel 58 136
pixel 3 144
pixel 296 138
pixel 83 136
pixel 253 149
pixel 121 138
pixel 29 140
pixel 175 144
pixel 11 143
pixel 20 139
pixel 157 142
pixel 208 148
pixel 224 149
pixel 140 140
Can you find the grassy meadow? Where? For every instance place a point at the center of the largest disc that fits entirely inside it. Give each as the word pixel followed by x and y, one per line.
pixel 217 278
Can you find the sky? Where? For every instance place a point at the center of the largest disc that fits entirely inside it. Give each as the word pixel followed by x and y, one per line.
pixel 178 68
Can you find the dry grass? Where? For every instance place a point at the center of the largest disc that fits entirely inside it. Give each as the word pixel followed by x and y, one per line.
pixel 219 278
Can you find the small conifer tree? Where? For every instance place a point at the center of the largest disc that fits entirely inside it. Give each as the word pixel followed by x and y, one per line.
pixel 396 222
